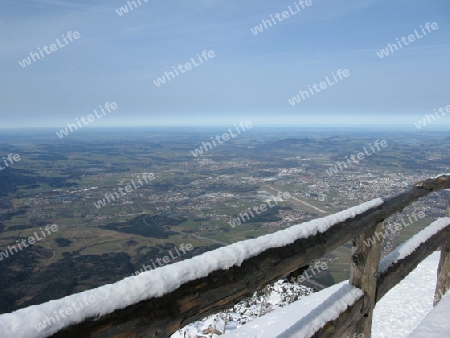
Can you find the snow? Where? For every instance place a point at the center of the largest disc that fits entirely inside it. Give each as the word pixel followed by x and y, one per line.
pixel 440 175
pixel 413 243
pixel 436 323
pixel 396 315
pixel 402 309
pixel 272 297
pixel 276 322
pixel 330 309
pixel 301 318
pixel 200 327
pixel 158 282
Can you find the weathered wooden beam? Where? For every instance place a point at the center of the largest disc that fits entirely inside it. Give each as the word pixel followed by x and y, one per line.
pixel 395 273
pixel 194 300
pixel 364 273
pixel 420 189
pixel 443 274
pixel 343 325
pixel 435 184
pixel 221 289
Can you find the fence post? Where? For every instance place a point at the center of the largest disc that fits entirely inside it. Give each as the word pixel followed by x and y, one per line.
pixel 366 252
pixel 443 273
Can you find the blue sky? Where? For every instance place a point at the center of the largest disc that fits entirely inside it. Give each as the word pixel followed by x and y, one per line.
pixel 117 58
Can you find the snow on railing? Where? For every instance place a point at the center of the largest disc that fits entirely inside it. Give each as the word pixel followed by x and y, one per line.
pixel 45 319
pixel 329 310
pixel 413 243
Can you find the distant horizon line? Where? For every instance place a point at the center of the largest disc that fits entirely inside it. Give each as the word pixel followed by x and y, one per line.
pixel 291 125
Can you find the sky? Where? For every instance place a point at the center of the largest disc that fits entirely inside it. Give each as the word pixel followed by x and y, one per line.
pixel 118 58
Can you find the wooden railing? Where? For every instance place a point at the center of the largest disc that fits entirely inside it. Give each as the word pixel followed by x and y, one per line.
pixel 221 289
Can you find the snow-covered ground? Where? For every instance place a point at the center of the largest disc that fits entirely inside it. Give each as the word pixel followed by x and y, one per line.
pixel 399 312
pixel 436 323
pixel 396 316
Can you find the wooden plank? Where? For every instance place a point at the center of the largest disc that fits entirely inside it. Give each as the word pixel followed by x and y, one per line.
pixel 364 273
pixel 343 325
pixel 443 278
pixel 443 273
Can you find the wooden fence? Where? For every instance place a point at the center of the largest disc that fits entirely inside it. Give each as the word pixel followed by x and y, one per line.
pixel 221 289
